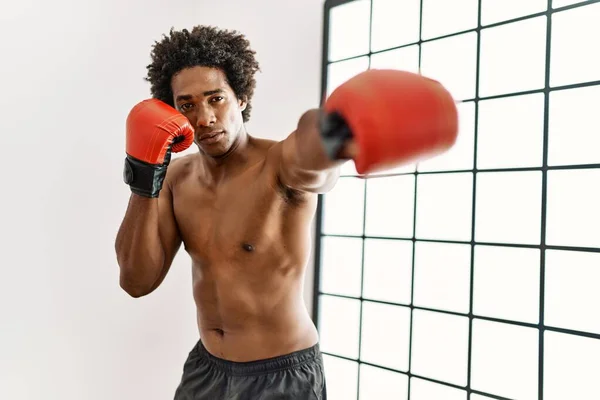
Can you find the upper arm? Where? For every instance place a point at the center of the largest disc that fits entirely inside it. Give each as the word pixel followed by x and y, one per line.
pixel 168 230
pixel 302 163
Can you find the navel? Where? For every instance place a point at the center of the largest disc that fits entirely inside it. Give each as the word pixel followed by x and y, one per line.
pixel 248 247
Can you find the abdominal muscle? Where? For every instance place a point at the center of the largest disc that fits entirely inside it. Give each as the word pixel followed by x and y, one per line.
pixel 246 317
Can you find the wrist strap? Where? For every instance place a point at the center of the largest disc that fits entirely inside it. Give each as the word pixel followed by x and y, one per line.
pixel 334 134
pixel 144 179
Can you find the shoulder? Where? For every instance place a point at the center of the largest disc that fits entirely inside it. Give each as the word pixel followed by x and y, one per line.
pixel 179 168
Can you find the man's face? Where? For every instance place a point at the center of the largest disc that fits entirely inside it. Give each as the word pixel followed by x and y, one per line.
pixel 203 95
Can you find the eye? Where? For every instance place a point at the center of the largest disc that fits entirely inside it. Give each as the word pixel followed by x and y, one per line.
pixel 186 106
pixel 217 99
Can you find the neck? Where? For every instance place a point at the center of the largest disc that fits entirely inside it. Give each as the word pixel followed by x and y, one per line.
pixel 217 168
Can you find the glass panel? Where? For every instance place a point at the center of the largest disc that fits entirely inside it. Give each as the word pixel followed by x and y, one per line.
pixel 562 3
pixel 339 325
pixel 505 360
pixel 480 397
pixel 460 156
pixel 341 265
pixel 572 295
pixel 340 72
pixel 343 208
pixel 498 134
pixel 513 57
pixel 442 276
pixel 349 30
pixel 440 347
pixel 452 62
pixel 404 59
pixel 390 206
pixel 502 270
pixel 424 390
pixel 571 365
pixel 385 335
pixel 575 36
pixel 493 11
pixel 443 17
pixel 388 270
pixel 395 23
pixel 574 126
pixel 573 214
pixel 509 207
pixel 447 198
pixel 377 383
pixel 341 377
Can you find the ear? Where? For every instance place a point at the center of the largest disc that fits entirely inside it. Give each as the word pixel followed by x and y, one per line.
pixel 242 103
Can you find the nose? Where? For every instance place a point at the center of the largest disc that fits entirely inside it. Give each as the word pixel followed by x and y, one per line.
pixel 205 117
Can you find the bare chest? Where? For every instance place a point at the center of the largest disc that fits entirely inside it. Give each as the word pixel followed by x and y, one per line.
pixel 246 217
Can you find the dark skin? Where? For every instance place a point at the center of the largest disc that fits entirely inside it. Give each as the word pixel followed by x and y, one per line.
pixel 242 207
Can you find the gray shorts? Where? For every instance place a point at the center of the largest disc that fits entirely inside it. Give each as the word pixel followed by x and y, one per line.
pixel 297 375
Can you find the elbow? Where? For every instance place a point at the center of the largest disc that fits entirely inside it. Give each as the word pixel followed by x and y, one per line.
pixel 132 286
pixel 135 291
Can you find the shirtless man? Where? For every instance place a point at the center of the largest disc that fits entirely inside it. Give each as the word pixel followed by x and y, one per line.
pixel 241 206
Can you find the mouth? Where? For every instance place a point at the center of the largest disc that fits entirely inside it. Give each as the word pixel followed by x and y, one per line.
pixel 212 137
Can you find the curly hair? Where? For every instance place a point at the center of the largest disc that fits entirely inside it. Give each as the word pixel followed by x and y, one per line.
pixel 205 46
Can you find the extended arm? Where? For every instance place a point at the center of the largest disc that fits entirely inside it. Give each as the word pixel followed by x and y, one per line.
pixel 306 163
pixel 380 119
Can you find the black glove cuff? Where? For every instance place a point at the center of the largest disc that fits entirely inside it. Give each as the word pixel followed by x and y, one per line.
pixel 335 132
pixel 144 179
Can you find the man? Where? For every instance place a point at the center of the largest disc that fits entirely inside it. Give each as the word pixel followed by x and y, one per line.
pixel 241 206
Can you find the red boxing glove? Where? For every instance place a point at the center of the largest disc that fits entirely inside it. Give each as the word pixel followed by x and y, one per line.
pixel 395 117
pixel 154 129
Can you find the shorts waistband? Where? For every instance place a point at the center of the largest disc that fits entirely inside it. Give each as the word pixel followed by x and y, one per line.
pixel 265 366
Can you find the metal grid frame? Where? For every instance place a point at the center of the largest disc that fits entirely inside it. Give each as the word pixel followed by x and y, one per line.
pixel 329 4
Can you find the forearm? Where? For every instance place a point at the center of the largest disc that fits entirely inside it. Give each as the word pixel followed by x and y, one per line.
pixel 306 164
pixel 311 154
pixel 140 252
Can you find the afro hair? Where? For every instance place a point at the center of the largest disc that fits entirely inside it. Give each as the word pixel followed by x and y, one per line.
pixel 205 46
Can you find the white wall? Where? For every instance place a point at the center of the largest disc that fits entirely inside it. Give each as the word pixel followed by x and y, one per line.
pixel 70 72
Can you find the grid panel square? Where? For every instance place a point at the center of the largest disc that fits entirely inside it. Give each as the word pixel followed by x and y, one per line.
pixel 573 215
pixel 571 367
pixel 497 134
pixel 442 276
pixel 452 62
pixel 574 127
pixel 444 206
pixel 508 208
pixel 339 322
pixel 513 57
pixel 390 206
pixel 440 347
pixel 349 26
pixel 443 17
pixel 572 298
pixel 507 283
pixel 341 377
pixel 505 360
pixel 573 54
pixel 388 270
pixel 343 208
pixel 341 265
pixel 395 23
pixel 385 335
